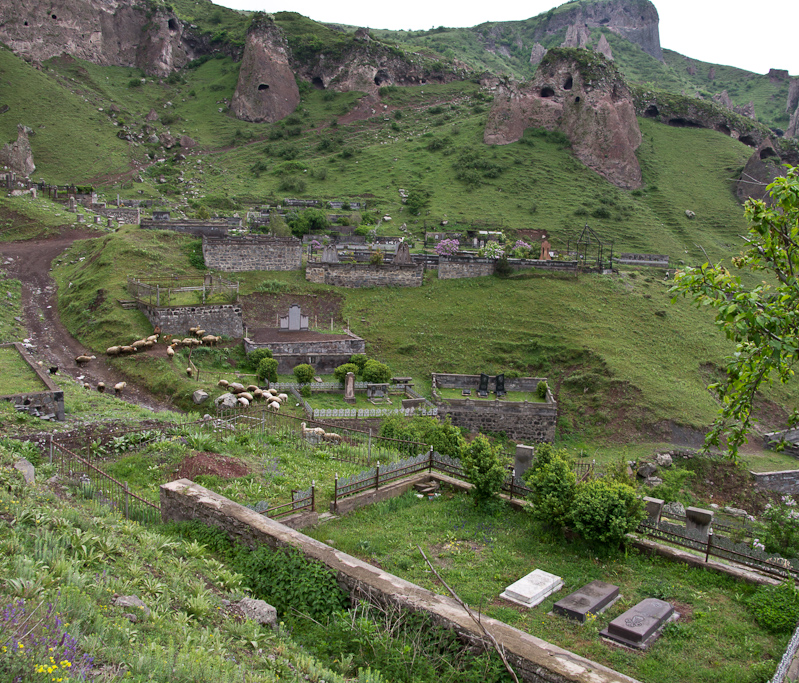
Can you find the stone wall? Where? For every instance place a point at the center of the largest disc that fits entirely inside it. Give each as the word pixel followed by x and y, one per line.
pixel 214 319
pixel 365 275
pixel 47 403
pixel 121 214
pixel 255 252
pixel 191 227
pixel 520 420
pixel 784 481
pixel 469 266
pixel 534 660
pixel 325 355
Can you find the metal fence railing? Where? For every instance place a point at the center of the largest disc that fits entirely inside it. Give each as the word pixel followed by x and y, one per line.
pixel 787 658
pixel 300 500
pixel 183 291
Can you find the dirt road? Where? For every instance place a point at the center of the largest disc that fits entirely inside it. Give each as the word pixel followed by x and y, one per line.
pixel 29 262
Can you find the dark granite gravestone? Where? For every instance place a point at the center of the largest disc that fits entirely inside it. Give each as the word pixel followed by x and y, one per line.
pixel 640 625
pixel 466 392
pixel 482 390
pixel 500 384
pixel 592 598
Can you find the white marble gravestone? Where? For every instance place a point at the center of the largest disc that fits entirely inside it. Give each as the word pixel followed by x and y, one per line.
pixel 533 588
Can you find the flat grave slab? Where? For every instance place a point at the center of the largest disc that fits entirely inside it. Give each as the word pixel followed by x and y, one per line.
pixel 592 598
pixel 641 624
pixel 533 588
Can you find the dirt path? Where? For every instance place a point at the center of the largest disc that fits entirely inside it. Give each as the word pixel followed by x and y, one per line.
pixel 29 262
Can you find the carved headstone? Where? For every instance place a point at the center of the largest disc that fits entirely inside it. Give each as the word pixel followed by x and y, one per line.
pixel 641 624
pixel 295 321
pixel 349 387
pixel 330 254
pixel 698 520
pixel 533 588
pixel 403 255
pixel 593 598
pixel 73 205
pixel 523 459
pixel 545 247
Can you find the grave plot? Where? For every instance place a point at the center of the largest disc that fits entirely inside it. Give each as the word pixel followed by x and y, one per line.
pixel 533 589
pixel 593 598
pixel 640 625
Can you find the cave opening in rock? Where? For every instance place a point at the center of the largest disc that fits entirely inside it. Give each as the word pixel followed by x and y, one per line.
pixel 24 23
pixel 684 123
pixel 568 83
pixel 651 111
pixel 172 24
pixel 382 77
pixel 546 91
pixel 53 16
pixel 318 83
pixel 577 99
pixel 723 128
pixel 748 140
pixel 263 86
pixel 768 152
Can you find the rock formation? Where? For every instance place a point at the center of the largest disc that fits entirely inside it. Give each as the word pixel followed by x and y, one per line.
pixel 582 94
pixel 266 90
pixel 576 36
pixel 18 155
pixel 635 20
pixel 603 47
pixel 763 167
pixel 106 32
pixel 793 96
pixel 537 54
pixel 723 99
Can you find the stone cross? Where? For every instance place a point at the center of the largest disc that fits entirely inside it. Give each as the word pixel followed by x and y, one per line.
pixel 545 247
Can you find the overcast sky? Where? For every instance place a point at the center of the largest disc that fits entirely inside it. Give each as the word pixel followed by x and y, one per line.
pixel 717 31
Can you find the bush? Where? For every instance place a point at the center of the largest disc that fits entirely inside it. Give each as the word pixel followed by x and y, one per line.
pixel 304 373
pixel 340 373
pixel 134 83
pixel 542 389
pixel 267 370
pixel 254 358
pixel 780 528
pixel 553 484
pixel 397 427
pixel 502 268
pixel 605 511
pixel 484 468
pixel 776 608
pixel 376 258
pixel 444 437
pixel 376 372
pixel 359 359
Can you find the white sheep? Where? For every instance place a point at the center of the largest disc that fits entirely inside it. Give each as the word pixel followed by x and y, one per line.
pixel 283 397
pixel 170 352
pixel 243 401
pixel 274 405
pixel 332 436
pixel 223 383
pixel 83 359
pixel 119 386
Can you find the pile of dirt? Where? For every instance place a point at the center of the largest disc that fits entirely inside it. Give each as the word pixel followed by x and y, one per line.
pixel 211 463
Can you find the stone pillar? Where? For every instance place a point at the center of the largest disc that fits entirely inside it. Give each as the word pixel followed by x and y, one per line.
pixel 523 460
pixel 698 520
pixel 654 508
pixel 110 223
pixel 98 220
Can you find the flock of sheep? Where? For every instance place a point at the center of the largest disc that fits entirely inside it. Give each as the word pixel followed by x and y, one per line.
pixel 246 395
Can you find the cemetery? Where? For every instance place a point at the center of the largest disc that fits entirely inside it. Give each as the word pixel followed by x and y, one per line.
pixel 24 384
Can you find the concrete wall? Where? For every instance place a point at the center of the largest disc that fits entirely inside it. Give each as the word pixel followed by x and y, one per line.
pixel 534 660
pixel 254 252
pixel 214 319
pixel 365 275
pixel 325 355
pixel 191 227
pixel 520 420
pixel 47 403
pixel 784 481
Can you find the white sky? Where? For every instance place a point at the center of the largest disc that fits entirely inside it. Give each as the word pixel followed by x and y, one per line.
pixel 718 31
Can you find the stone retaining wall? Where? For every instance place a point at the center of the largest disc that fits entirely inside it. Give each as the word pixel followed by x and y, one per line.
pixel 784 481
pixel 324 355
pixel 365 275
pixel 191 227
pixel 213 318
pixel 534 660
pixel 254 252
pixel 47 403
pixel 121 214
pixel 469 266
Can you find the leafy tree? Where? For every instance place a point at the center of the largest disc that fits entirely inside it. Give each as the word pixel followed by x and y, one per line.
pixel 418 200
pixel 605 511
pixel 762 320
pixel 304 373
pixel 484 468
pixel 254 358
pixel 340 373
pixel 360 360
pixel 444 437
pixel 310 220
pixel 553 484
pixel 267 369
pixel 396 427
pixel 277 226
pixel 376 372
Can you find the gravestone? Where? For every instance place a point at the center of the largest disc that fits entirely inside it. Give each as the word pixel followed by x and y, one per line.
pixel 73 204
pixel 545 247
pixel 376 393
pixel 330 254
pixel 482 390
pixel 160 215
pixel 402 256
pixel 500 385
pixel 523 459
pixel 413 403
pixel 640 625
pixel 295 321
pixel 349 387
pixel 654 508
pixel 593 598
pixel 98 220
pixel 698 520
pixel 80 218
pixel 110 223
pixel 533 588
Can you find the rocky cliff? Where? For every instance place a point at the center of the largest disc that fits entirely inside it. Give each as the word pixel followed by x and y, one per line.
pixel 582 94
pixel 18 156
pixel 765 164
pixel 106 32
pixel 266 90
pixel 635 20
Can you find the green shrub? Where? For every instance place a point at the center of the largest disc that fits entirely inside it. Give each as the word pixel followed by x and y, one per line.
pixel 397 427
pixel 134 83
pixel 254 358
pixel 780 528
pixel 305 391
pixel 267 370
pixel 605 511
pixel 776 608
pixel 542 389
pixel 484 468
pixel 304 373
pixel 376 372
pixel 444 437
pixel 340 373
pixel 502 268
pixel 553 484
pixel 359 359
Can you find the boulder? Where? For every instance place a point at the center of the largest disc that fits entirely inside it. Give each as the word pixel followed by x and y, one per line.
pixel 167 140
pixel 228 401
pixel 259 611
pixel 537 54
pixel 647 469
pixel 653 481
pixel 18 156
pixel 199 397
pixel 663 460
pixel 152 115
pixel 27 470
pixel 131 601
pixel 187 143
pixel 736 512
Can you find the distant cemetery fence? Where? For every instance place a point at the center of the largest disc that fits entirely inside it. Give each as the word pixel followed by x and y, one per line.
pixel 186 291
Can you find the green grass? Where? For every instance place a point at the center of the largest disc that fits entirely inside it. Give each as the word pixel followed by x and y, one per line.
pixel 511 396
pixel 16 376
pixel 11 293
pixel 480 554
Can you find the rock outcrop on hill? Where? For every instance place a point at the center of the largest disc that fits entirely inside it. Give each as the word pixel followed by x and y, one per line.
pixel 266 90
pixel 106 32
pixel 635 20
pixel 18 156
pixel 583 95
pixel 765 164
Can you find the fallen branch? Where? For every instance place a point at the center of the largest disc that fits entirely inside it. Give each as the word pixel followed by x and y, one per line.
pixel 500 650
